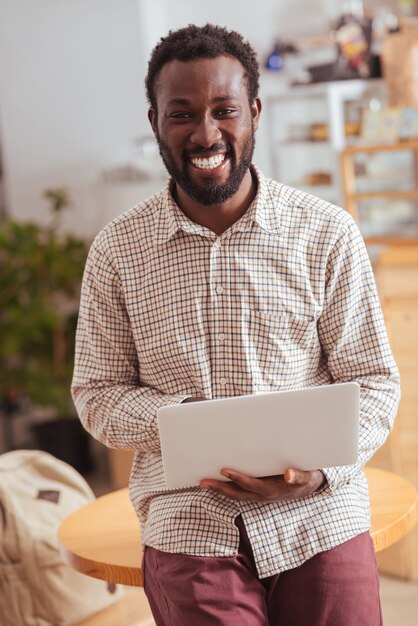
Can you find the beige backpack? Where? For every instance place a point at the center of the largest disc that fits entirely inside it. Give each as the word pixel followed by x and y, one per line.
pixel 37 491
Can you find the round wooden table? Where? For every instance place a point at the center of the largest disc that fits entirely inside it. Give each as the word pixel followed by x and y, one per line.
pixel 102 539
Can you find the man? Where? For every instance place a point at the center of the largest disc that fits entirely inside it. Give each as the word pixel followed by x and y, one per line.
pixel 225 284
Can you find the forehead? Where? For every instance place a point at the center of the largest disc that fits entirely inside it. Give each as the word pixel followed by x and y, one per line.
pixel 201 78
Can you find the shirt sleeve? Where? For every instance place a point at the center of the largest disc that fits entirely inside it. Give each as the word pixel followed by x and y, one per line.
pixel 355 344
pixel 111 402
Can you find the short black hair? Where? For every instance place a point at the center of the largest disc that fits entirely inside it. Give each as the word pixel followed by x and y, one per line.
pixel 202 42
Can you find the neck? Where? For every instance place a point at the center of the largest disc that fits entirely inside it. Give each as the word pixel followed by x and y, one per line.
pixel 218 218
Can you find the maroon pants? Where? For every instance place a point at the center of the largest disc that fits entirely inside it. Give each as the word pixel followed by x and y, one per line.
pixel 339 587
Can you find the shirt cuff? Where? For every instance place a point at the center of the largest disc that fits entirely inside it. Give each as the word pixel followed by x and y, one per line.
pixel 331 480
pixel 320 488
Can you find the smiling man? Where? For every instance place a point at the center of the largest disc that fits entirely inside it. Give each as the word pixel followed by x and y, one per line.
pixel 209 160
pixel 225 284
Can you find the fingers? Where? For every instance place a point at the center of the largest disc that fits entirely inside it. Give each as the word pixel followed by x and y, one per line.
pixel 230 490
pixel 248 483
pixel 242 487
pixel 312 479
pixel 297 477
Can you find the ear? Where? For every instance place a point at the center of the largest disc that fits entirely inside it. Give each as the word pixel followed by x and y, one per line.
pixel 255 111
pixel 152 116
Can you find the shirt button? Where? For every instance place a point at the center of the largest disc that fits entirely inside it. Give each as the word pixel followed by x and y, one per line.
pixel 223 382
pixel 221 336
pixel 219 289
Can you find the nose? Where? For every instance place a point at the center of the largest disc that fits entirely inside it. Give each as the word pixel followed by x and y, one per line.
pixel 206 132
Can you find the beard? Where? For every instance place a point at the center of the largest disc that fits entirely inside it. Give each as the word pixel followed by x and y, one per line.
pixel 211 193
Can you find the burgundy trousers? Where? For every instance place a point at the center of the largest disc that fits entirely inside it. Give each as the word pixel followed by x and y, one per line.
pixel 339 587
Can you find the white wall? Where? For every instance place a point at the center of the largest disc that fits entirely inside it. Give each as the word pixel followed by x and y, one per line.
pixel 71 87
pixel 266 20
pixel 71 98
pixel 260 22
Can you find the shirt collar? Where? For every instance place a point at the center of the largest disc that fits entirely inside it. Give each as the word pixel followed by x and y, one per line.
pixel 264 210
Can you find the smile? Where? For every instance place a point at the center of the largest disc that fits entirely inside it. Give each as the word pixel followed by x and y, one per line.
pixel 209 163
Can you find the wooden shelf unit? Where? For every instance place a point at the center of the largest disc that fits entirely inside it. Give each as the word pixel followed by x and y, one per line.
pixel 396 271
pixel 352 196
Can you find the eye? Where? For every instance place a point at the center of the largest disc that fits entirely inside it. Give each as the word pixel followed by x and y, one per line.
pixel 180 115
pixel 225 112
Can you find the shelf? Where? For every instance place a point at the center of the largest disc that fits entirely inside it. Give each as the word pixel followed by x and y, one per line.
pixel 293 116
pixel 390 195
pixel 400 233
pixel 392 241
pixel 383 147
pixel 303 142
pixel 316 190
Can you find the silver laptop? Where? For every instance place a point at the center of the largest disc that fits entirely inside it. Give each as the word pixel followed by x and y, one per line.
pixel 260 435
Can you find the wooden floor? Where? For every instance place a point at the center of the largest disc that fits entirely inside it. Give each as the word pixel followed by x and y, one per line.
pixel 131 610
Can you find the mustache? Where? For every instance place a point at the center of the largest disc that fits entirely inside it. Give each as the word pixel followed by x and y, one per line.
pixel 208 152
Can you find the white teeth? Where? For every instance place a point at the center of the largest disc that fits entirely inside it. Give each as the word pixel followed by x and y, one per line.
pixel 208 164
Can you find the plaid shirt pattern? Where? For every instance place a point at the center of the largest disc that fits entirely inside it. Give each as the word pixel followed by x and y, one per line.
pixel 284 299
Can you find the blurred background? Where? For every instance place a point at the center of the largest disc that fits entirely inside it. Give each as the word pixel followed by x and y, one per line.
pixel 339 86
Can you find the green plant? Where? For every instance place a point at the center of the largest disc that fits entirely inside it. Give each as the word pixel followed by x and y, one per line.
pixel 40 279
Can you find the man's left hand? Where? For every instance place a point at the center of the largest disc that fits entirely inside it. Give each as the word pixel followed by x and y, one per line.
pixel 292 484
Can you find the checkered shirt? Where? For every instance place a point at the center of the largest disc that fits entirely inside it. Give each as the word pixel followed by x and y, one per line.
pixel 285 298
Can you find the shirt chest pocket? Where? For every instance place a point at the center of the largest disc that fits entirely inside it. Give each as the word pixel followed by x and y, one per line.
pixel 282 349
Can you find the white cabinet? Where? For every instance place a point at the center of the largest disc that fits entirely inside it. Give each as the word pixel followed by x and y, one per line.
pixel 305 128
